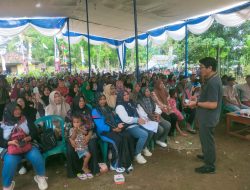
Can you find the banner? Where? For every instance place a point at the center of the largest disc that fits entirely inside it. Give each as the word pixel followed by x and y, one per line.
pixel 25 61
pixel 57 56
pixel 82 55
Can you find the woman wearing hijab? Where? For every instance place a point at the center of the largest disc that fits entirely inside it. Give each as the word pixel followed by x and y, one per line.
pixel 160 96
pixel 30 114
pixel 111 130
pixel 12 118
pixel 126 110
pixel 153 113
pixel 73 91
pixel 74 164
pixel 88 93
pixel 135 93
pixel 45 96
pixel 62 88
pixel 110 94
pixel 57 105
pixel 42 100
pixel 16 91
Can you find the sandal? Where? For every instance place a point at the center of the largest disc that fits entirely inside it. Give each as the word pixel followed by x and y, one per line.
pixel 192 131
pixel 89 175
pixel 82 176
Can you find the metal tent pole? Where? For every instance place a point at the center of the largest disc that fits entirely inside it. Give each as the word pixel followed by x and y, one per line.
pixel 87 15
pixel 136 41
pixel 70 65
pixel 147 53
pixel 186 51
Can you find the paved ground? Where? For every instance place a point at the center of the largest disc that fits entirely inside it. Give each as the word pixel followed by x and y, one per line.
pixel 167 169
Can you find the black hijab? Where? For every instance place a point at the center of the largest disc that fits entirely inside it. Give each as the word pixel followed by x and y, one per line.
pixel 44 98
pixel 75 109
pixel 108 114
pixel 129 106
pixel 8 115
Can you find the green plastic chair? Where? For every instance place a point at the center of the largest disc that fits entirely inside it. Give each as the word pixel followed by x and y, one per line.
pixel 152 144
pixel 48 123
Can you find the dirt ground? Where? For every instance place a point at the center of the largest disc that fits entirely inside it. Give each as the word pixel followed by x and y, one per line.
pixel 167 169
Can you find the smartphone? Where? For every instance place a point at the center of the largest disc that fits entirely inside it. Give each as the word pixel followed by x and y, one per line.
pixel 21 143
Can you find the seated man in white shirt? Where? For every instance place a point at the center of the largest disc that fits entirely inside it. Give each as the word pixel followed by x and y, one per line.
pixel 231 98
pixel 244 91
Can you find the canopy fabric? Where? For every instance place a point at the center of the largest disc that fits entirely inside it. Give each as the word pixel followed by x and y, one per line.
pixel 46 26
pixel 111 21
pixel 230 17
pixel 94 40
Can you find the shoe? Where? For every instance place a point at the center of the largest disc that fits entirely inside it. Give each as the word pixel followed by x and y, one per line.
pixel 161 144
pixel 89 175
pixel 118 170
pixel 130 168
pixel 146 152
pixel 82 176
pixel 140 159
pixel 205 170
pixel 192 131
pixel 11 187
pixel 199 156
pixel 22 171
pixel 41 181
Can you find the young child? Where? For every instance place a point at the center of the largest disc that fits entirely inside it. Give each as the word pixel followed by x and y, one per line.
pixel 77 136
pixel 172 104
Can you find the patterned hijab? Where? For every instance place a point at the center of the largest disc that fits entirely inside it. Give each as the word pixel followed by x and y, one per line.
pixel 160 92
pixel 146 103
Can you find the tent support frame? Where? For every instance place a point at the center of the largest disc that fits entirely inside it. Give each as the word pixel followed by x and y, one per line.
pixel 70 64
pixel 87 16
pixel 136 42
pixel 186 50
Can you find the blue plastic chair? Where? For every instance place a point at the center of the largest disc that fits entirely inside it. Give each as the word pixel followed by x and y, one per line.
pixel 48 123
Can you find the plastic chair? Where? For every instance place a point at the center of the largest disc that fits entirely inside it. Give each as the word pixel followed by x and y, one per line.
pixel 152 144
pixel 48 123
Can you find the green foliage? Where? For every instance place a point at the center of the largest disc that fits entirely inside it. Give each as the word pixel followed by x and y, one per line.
pixel 231 44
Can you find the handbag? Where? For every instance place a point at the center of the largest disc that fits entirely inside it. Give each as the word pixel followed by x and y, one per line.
pixel 47 140
pixel 18 134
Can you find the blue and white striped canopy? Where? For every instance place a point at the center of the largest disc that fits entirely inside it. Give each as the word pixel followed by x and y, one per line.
pixel 111 21
pixel 46 26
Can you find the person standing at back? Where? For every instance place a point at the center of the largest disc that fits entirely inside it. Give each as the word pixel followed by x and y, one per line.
pixel 208 112
pixel 4 94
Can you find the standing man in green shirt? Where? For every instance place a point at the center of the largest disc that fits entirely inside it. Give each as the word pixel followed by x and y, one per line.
pixel 208 108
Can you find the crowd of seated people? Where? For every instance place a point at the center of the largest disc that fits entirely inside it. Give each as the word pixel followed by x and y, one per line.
pixel 236 96
pixel 111 108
